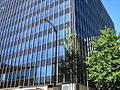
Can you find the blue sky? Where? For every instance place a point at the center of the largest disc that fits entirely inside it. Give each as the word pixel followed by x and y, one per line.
pixel 113 8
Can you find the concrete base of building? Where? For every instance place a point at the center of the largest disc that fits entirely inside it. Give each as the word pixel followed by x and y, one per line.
pixel 28 88
pixel 76 86
pixel 54 88
pixel 72 86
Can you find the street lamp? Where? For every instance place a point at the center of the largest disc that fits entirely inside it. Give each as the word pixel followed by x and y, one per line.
pixel 46 20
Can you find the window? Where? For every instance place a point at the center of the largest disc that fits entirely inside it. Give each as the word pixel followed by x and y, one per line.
pixel 61 50
pixel 61 7
pixel 51 11
pixel 29 58
pixel 23 46
pixel 61 19
pixel 2 77
pixel 37 72
pixel 49 53
pixel 38 56
pixel 27 45
pixel 18 74
pixel 37 29
pixel 22 74
pixel 27 74
pixel 25 59
pixel 49 37
pixel 10 75
pixel 56 22
pixel 17 61
pixel 67 4
pixel 15 49
pixel 33 30
pixel 34 57
pixel 32 75
pixel 44 38
pixel 31 43
pixel 44 54
pixel 53 70
pixel 14 75
pixel 28 32
pixel 53 52
pixel 86 1
pixel 39 40
pixel 21 60
pixel 41 27
pixel 54 38
pixel 6 77
pixel 67 17
pixel 13 62
pixel 61 34
pixel 42 71
pixel 56 9
pixel 49 69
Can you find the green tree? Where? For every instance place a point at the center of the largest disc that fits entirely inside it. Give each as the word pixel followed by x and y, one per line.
pixel 104 62
pixel 69 66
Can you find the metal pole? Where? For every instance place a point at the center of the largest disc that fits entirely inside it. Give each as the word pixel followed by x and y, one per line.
pixel 55 62
pixel 46 20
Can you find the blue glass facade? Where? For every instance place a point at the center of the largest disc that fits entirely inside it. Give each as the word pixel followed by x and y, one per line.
pixel 90 18
pixel 27 42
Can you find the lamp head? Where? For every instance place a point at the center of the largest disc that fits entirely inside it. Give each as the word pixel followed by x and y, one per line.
pixel 46 20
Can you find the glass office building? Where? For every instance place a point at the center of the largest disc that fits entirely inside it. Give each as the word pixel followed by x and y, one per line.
pixel 28 43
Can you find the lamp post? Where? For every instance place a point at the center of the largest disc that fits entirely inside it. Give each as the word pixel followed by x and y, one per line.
pixel 46 20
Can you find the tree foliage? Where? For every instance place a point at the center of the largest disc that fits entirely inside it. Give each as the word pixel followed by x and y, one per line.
pixel 69 66
pixel 104 62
